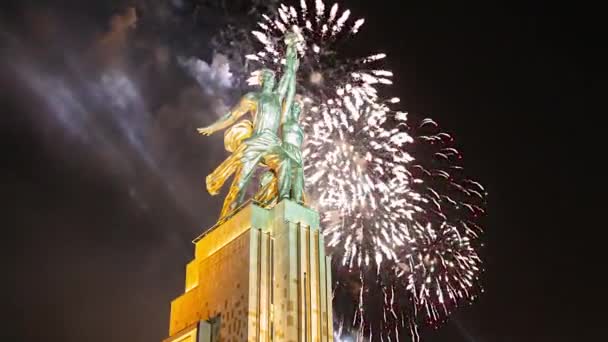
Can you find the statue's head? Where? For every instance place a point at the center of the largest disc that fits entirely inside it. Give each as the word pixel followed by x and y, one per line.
pixel 296 109
pixel 267 79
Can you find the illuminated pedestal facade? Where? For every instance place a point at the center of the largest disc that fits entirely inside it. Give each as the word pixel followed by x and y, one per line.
pixel 260 276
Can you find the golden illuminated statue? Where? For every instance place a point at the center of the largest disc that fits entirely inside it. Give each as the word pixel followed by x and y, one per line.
pixel 258 142
pixel 261 273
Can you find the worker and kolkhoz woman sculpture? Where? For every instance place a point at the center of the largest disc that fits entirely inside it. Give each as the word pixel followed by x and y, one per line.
pixel 272 140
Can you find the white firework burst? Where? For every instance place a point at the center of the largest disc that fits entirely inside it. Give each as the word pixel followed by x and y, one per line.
pixel 359 179
pixel 356 161
pixel 323 73
pixel 405 224
pixel 443 271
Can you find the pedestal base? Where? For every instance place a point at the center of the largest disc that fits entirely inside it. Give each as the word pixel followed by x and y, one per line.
pixel 260 276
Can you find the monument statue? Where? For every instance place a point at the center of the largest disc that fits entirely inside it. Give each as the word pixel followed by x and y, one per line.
pixel 254 143
pixel 261 273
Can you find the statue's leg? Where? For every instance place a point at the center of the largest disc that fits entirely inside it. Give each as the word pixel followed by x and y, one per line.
pixel 257 147
pixel 284 178
pixel 280 163
pixel 298 184
pixel 268 188
pixel 243 176
pixel 290 173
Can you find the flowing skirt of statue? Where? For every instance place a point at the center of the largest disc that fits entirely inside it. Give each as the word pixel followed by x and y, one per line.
pixel 261 148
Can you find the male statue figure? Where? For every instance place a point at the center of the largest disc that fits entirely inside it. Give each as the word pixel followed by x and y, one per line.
pixel 264 144
pixel 290 157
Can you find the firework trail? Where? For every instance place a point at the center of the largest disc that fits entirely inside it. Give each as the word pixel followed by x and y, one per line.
pixel 403 228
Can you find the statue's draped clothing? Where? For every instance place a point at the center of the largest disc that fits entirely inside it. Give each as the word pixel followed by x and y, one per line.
pixel 264 148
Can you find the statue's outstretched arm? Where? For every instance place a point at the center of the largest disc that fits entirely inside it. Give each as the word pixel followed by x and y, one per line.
pixel 247 104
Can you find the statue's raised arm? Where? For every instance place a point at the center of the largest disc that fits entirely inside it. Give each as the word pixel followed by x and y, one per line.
pixel 291 64
pixel 289 98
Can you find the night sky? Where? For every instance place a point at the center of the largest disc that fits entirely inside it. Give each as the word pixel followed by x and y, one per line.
pixel 102 205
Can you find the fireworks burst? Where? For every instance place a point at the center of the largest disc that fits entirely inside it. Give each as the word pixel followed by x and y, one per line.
pixel 322 68
pixel 443 270
pixel 403 228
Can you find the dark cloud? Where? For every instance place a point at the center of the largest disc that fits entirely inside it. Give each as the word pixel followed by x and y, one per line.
pixel 106 170
pixel 112 44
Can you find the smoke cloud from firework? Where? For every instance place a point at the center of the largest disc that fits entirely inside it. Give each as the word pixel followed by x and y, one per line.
pixel 114 187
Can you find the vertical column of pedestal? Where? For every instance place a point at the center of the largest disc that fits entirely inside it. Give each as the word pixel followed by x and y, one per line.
pixel 307 284
pixel 312 294
pixel 265 286
pixel 314 287
pixel 329 296
pixel 285 281
pixel 315 326
pixel 260 283
pixel 322 287
pixel 253 319
pixel 303 306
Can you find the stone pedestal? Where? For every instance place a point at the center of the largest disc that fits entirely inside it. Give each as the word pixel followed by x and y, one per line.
pixel 262 275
